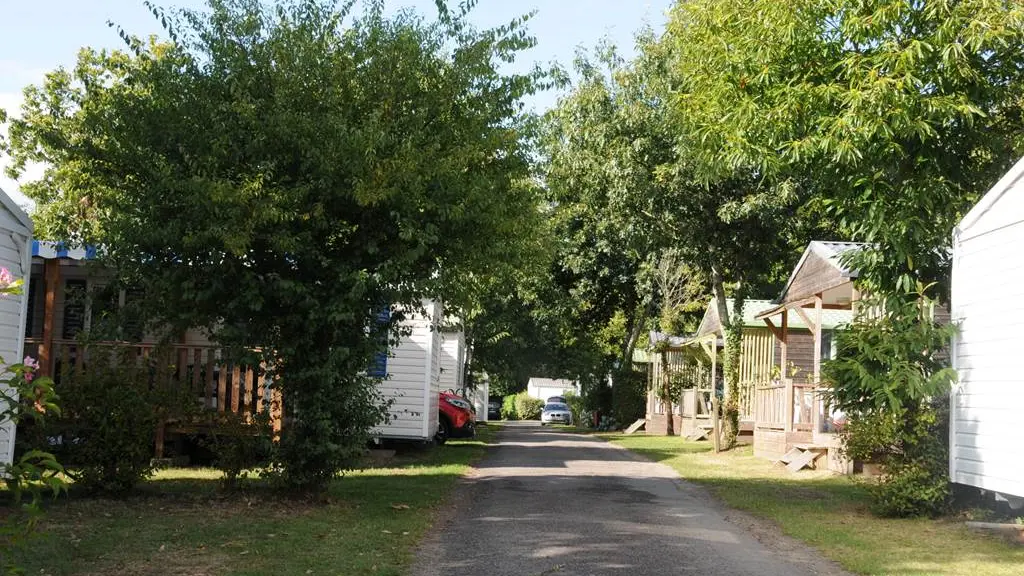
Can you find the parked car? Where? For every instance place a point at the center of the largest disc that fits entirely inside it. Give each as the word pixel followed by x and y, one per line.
pixel 494 409
pixel 556 413
pixel 556 400
pixel 455 418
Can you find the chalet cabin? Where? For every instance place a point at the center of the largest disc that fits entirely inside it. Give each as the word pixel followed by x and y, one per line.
pixel 760 357
pixel 790 421
pixel 987 403
pixel 667 356
pixel 16 257
pixel 703 355
pixel 68 294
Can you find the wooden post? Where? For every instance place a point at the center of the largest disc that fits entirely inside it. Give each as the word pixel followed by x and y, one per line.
pixel 817 338
pixel 782 344
pixel 210 353
pixel 816 404
pixel 714 394
pixel 51 278
pixel 222 386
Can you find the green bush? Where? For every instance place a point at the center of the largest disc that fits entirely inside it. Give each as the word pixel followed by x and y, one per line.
pixel 912 450
pixel 891 379
pixel 629 395
pixel 240 444
pixel 508 408
pixel 110 413
pixel 528 407
pixel 576 406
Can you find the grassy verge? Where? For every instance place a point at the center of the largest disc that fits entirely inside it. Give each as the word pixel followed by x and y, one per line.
pixel 179 523
pixel 830 513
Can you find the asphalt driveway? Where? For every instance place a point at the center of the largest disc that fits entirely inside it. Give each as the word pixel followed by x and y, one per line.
pixel 545 502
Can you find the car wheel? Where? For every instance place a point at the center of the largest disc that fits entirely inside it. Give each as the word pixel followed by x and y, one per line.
pixel 444 431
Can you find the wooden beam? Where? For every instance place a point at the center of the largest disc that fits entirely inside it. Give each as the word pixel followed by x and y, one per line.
pixel 51 278
pixel 811 325
pixel 817 338
pixel 810 306
pixel 773 328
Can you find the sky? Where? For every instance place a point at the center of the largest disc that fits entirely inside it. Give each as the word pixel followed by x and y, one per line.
pixel 37 36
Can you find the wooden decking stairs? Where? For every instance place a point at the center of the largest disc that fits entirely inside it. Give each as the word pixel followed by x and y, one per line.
pixel 803 456
pixel 701 432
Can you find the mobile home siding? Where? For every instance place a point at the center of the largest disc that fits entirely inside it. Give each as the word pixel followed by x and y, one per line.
pixel 412 386
pixel 453 357
pixel 15 250
pixel 988 303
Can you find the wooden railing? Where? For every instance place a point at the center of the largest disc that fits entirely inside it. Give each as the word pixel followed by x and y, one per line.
pixel 804 402
pixel 770 406
pixel 219 383
pixel 696 403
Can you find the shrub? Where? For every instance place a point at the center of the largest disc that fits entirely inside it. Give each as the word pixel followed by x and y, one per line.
pixel 912 450
pixel 528 407
pixel 576 406
pixel 891 379
pixel 111 411
pixel 629 395
pixel 508 408
pixel 23 399
pixel 240 444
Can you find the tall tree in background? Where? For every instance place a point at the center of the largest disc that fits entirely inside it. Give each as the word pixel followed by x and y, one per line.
pixel 279 174
pixel 621 142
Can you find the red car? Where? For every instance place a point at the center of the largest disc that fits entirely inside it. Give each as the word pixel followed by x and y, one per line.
pixel 455 418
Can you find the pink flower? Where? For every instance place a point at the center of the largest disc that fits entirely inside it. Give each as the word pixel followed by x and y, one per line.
pixel 29 376
pixel 5 278
pixel 31 362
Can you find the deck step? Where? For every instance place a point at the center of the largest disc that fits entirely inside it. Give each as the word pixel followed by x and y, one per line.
pixel 636 426
pixel 806 458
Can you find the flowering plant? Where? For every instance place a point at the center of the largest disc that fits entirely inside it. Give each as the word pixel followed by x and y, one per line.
pixel 8 285
pixel 25 395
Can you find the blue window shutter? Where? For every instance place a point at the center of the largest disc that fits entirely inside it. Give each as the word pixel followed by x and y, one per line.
pixel 379 367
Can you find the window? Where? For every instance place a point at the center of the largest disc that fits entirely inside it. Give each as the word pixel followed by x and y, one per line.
pixel 74 308
pixel 827 352
pixel 30 317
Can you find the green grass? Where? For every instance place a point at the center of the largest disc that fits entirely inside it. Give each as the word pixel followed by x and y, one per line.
pixel 180 523
pixel 830 513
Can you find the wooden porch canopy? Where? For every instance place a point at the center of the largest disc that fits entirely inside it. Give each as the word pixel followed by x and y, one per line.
pixel 53 255
pixel 819 282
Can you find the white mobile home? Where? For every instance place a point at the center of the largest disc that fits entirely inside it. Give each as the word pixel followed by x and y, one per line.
pixel 16 257
pixel 453 372
pixel 544 388
pixel 987 404
pixel 453 360
pixel 413 370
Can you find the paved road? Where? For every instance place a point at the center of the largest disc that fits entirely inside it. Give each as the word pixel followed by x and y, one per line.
pixel 545 503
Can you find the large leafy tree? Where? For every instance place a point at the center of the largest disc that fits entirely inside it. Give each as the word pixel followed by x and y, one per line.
pixel 622 152
pixel 895 115
pixel 279 174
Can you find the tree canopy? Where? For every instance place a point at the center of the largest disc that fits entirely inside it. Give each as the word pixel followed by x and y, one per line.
pixel 280 174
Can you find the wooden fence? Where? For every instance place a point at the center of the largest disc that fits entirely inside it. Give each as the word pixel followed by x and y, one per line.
pixel 770 406
pixel 218 382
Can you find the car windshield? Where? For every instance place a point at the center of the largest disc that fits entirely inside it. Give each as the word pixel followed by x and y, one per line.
pixel 554 406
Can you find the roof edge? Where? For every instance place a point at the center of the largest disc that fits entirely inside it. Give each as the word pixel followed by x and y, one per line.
pixel 19 214
pixel 993 195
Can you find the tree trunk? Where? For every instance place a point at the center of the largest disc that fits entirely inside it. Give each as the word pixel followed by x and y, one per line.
pixel 666 397
pixel 631 341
